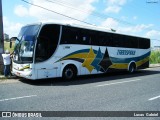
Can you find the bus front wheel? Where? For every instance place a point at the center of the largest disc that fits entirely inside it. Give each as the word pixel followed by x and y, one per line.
pixel 69 72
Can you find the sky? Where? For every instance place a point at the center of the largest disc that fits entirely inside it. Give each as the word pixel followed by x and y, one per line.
pixel 133 17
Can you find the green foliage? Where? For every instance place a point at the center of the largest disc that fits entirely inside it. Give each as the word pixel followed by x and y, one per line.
pixel 7 46
pixel 155 57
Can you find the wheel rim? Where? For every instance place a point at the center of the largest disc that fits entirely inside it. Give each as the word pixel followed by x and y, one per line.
pixel 131 69
pixel 69 73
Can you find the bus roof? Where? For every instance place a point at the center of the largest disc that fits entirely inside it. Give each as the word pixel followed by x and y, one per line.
pixel 90 27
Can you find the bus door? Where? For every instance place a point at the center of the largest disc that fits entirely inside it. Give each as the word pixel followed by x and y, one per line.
pixel 46 46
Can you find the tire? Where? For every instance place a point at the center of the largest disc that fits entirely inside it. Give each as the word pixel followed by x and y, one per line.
pixel 69 72
pixel 132 68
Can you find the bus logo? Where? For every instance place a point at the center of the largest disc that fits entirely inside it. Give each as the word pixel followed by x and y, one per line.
pixel 6 114
pixel 126 52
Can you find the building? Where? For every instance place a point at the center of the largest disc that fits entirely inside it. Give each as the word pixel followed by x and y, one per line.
pixel 156 48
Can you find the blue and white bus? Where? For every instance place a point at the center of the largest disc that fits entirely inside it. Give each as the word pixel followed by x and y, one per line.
pixel 49 50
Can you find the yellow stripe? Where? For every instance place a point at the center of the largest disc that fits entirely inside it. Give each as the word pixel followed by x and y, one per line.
pixel 139 63
pixel 125 65
pixel 25 67
pixel 119 66
pixel 79 55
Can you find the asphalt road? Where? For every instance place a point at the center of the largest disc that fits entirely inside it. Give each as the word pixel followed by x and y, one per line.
pixel 114 92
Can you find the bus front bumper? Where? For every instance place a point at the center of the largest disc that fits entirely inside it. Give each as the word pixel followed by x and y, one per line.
pixel 26 73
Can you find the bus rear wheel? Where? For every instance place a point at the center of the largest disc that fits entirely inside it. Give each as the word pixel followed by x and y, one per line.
pixel 69 72
pixel 132 68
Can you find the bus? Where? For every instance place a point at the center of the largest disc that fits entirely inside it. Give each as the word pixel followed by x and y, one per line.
pixel 49 50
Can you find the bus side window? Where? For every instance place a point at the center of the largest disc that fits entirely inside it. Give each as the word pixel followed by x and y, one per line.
pixel 122 41
pixel 134 42
pixel 47 42
pixel 84 37
pixel 108 40
pixel 102 39
pixel 144 43
pixel 115 40
pixel 70 35
pixel 94 39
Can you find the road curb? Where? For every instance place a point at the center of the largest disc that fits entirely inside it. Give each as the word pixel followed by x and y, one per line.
pixel 11 79
pixel 8 81
pixel 154 65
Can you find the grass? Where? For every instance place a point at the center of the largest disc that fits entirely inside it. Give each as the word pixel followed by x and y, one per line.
pixel 7 46
pixel 155 57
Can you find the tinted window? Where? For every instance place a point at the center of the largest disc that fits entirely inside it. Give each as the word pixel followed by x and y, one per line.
pixel 85 37
pixel 94 39
pixel 73 35
pixel 47 42
pixel 127 41
pixel 133 42
pixel 144 43
pixel 70 35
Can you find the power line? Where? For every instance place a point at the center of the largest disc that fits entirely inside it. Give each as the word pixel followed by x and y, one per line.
pixel 99 15
pixel 155 39
pixel 95 14
pixel 68 5
pixel 57 13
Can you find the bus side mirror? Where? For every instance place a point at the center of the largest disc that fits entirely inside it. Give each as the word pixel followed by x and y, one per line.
pixel 12 39
pixel 10 44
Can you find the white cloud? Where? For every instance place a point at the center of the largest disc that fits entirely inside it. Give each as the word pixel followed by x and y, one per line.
pixel 132 30
pixel 135 29
pixel 59 7
pixel 142 30
pixel 125 18
pixel 11 28
pixel 109 23
pixel 135 17
pixel 117 2
pixel 153 34
pixel 21 11
pixel 113 9
pixel 114 6
pixel 42 15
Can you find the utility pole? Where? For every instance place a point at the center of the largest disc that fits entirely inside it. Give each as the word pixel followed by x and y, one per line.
pixel 1 37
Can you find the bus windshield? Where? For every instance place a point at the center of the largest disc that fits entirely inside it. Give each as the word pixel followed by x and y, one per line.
pixel 24 45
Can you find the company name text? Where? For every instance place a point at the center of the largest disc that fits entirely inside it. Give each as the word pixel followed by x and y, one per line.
pixel 126 52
